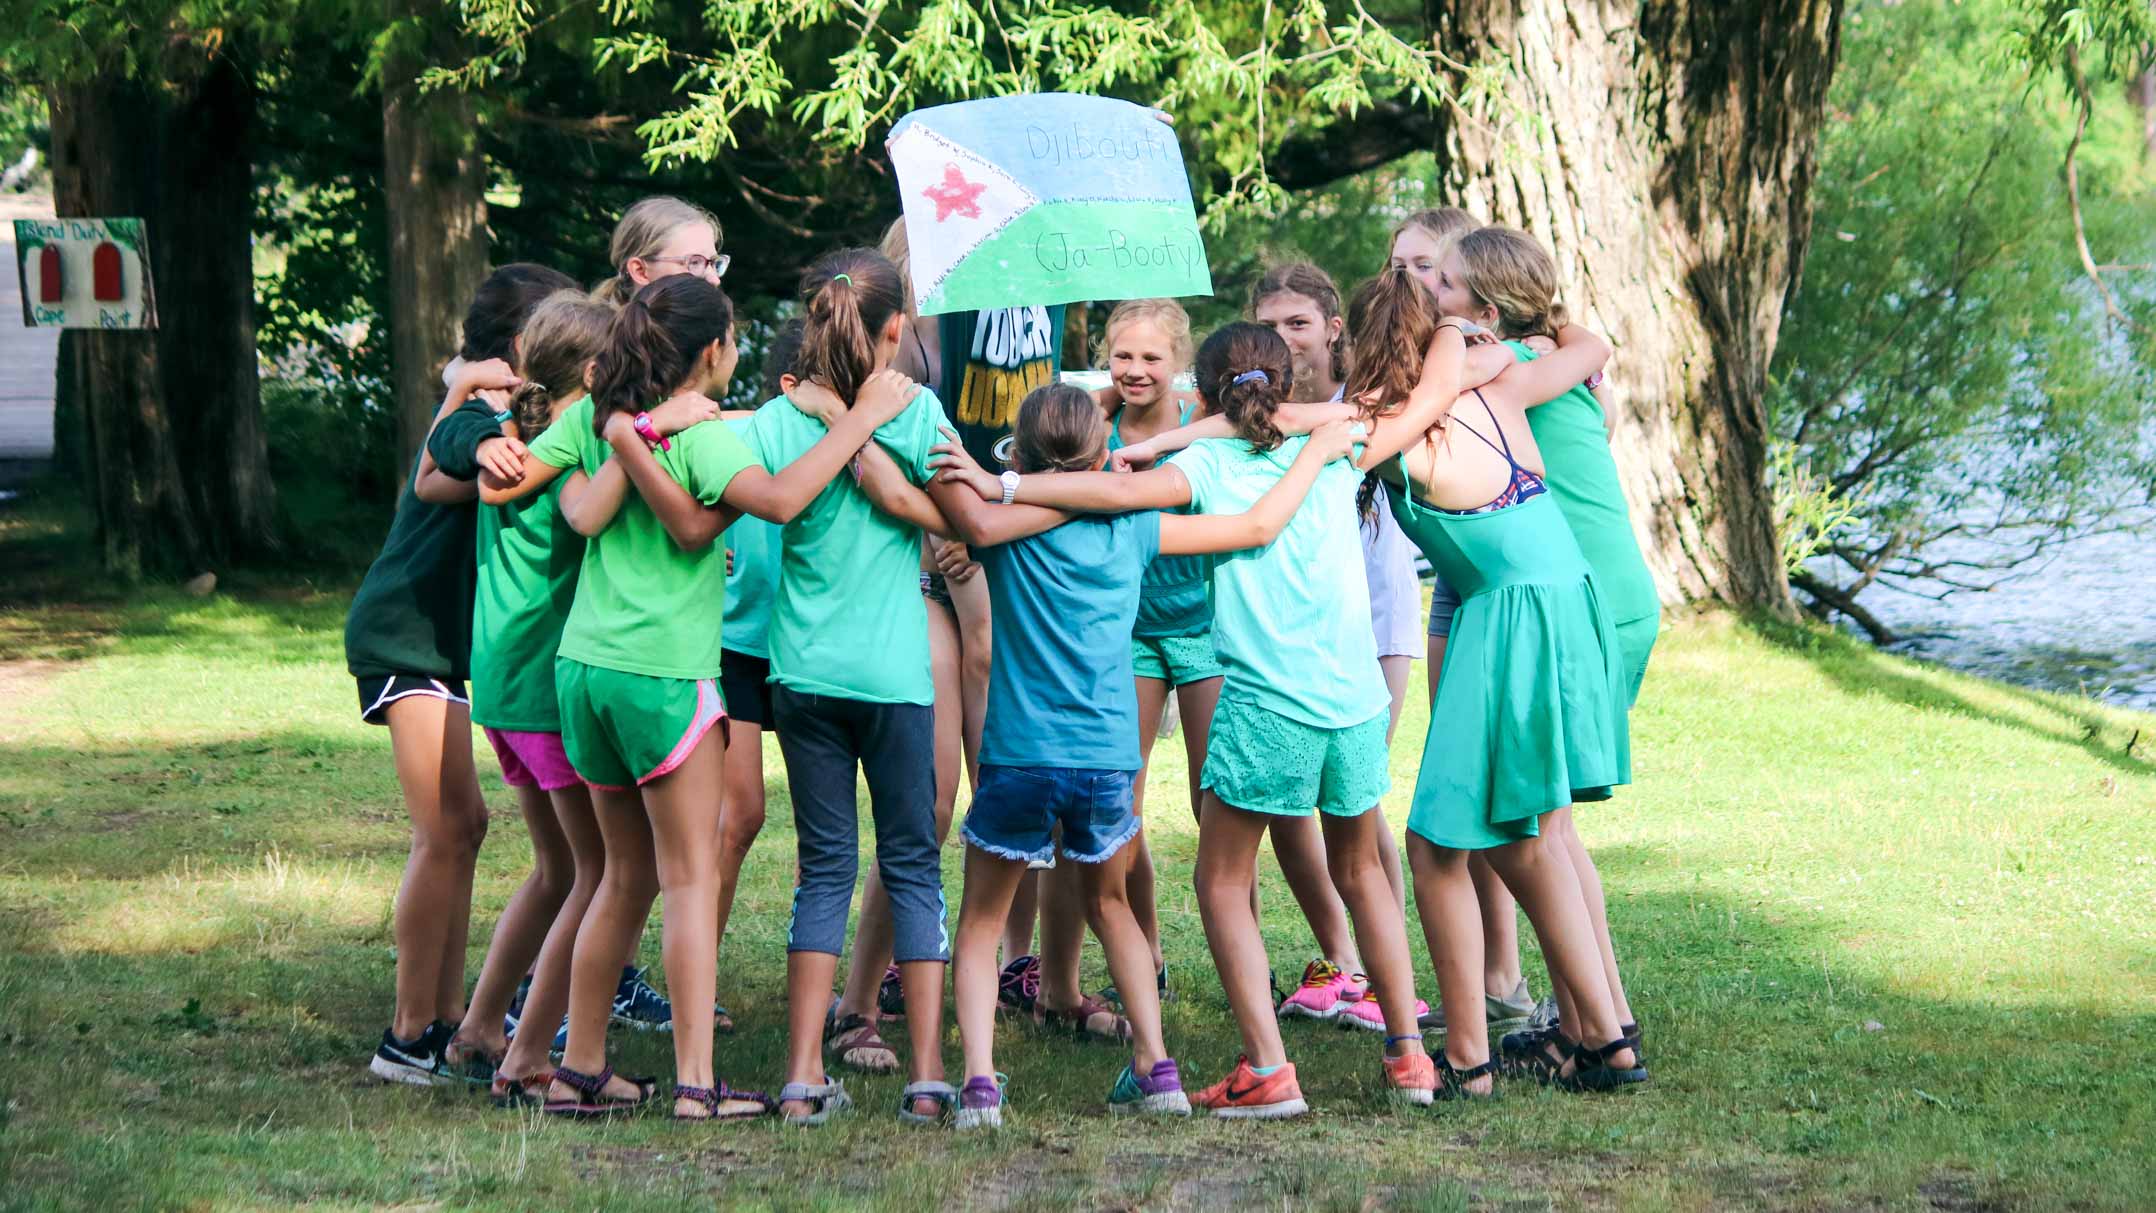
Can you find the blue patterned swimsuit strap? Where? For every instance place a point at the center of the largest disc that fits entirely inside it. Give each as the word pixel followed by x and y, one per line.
pixel 1522 484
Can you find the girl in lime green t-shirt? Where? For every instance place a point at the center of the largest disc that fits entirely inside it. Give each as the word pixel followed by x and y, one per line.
pixel 637 673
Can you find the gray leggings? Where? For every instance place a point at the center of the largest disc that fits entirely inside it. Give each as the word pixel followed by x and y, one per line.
pixel 824 740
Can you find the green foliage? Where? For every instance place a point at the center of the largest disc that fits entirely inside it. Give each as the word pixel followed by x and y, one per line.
pixel 1946 366
pixel 839 72
pixel 1808 512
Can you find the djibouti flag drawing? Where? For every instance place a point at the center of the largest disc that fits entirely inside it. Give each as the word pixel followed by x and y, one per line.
pixel 1045 198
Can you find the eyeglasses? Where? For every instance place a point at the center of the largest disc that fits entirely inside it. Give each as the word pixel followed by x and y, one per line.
pixel 697 263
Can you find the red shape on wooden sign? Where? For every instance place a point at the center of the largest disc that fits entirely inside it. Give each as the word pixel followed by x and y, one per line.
pixel 105 273
pixel 48 274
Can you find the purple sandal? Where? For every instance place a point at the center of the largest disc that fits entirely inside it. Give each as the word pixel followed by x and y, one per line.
pixel 712 1097
pixel 591 1100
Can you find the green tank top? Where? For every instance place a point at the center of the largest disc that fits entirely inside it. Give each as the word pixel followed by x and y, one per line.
pixel 1582 474
pixel 1172 600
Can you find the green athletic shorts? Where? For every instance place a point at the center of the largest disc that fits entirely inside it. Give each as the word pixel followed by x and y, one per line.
pixel 623 730
pixel 1175 660
pixel 1262 762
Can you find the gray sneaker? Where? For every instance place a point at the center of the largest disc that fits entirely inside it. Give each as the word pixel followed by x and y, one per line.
pixel 1509 1014
pixel 1544 1016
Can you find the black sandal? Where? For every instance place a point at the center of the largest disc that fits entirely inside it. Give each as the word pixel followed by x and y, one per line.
pixel 1592 1071
pixel 712 1097
pixel 591 1098
pixel 1537 1053
pixel 1452 1083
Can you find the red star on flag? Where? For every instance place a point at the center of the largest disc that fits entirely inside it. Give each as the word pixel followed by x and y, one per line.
pixel 955 195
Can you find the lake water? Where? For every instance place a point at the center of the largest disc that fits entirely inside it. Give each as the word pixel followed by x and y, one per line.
pixel 2085 624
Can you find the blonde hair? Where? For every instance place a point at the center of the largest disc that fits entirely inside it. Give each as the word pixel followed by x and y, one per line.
pixel 564 334
pixel 1166 313
pixel 895 250
pixel 643 230
pixel 1511 271
pixel 1445 224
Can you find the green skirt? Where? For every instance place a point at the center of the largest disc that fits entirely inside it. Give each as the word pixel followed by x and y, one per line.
pixel 1531 701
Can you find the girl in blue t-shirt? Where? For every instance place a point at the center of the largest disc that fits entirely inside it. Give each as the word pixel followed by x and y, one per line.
pixel 1303 710
pixel 1060 753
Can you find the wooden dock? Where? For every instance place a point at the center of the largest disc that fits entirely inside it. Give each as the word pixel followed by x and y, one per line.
pixel 27 356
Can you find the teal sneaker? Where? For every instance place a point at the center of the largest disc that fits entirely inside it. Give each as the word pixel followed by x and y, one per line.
pixel 1159 1093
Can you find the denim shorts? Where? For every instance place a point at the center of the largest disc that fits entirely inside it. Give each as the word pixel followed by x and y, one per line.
pixel 1016 809
pixel 1444 604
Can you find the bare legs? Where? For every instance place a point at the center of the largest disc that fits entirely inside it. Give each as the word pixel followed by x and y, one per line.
pixel 431 741
pixel 1550 893
pixel 1500 949
pixel 523 926
pixel 741 818
pixel 1227 848
pixel 612 925
pixel 548 999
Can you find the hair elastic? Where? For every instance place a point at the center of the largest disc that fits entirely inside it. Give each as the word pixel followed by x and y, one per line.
pixel 845 278
pixel 1253 375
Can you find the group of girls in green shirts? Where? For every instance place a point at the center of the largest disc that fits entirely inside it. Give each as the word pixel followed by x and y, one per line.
pixel 647 585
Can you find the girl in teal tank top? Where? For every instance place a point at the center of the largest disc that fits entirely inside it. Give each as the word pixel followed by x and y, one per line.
pixel 1530 710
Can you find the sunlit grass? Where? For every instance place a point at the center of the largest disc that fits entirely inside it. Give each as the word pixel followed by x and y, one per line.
pixel 1886 926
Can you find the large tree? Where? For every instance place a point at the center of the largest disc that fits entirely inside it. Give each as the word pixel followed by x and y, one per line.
pixel 1664 149
pixel 153 116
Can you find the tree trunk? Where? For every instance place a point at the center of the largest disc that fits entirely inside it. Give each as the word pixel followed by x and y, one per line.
pixel 1665 150
pixel 143 518
pixel 202 258
pixel 2145 99
pixel 435 182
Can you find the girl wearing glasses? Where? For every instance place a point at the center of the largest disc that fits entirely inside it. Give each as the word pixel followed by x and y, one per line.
pixel 657 237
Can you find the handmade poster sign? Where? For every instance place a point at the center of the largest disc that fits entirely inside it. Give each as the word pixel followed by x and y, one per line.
pixel 1045 198
pixel 85 274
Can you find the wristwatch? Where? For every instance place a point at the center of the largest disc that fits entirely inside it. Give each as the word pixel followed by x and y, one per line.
pixel 1010 486
pixel 650 433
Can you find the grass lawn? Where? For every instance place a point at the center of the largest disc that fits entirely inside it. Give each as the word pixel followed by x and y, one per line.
pixel 1888 929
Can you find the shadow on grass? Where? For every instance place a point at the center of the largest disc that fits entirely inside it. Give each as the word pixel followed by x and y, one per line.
pixel 1863 670
pixel 230 1074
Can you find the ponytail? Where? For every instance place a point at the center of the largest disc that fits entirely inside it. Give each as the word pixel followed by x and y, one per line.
pixel 848 296
pixel 1391 321
pixel 558 342
pixel 1243 373
pixel 654 343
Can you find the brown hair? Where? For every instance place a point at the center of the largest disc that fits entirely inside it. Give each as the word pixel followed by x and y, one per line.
pixel 501 305
pixel 1303 278
pixel 1166 313
pixel 1511 271
pixel 1444 223
pixel 643 230
pixel 1059 429
pixel 654 343
pixel 1233 353
pixel 563 336
pixel 1391 321
pixel 848 297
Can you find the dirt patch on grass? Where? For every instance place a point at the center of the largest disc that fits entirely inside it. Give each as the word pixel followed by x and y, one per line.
pixel 24 678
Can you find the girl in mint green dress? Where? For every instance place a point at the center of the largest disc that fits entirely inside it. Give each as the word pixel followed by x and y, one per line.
pixel 1530 710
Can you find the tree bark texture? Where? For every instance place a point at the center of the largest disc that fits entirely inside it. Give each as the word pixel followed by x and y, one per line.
pixel 202 261
pixel 104 136
pixel 1665 151
pixel 435 184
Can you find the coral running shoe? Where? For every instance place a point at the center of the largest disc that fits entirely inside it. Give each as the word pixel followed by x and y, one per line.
pixel 1370 1017
pixel 1325 992
pixel 1412 1078
pixel 1245 1095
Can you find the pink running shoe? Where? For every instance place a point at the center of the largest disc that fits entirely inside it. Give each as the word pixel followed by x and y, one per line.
pixel 1367 1015
pixel 1324 993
